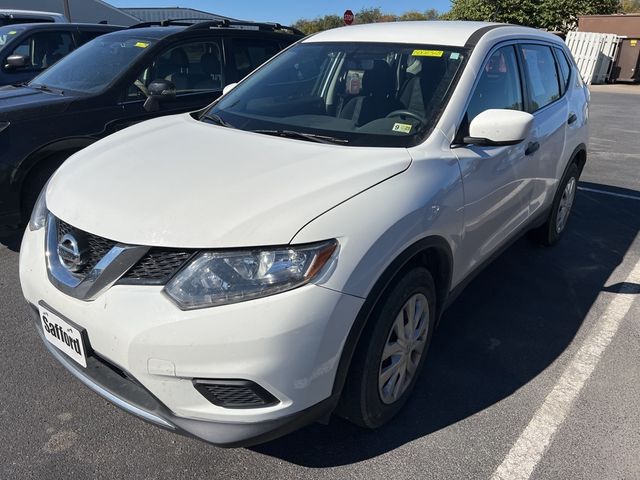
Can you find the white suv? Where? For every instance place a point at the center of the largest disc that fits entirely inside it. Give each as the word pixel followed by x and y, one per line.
pixel 236 273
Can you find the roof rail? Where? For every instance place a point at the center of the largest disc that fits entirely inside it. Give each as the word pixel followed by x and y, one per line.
pixel 182 22
pixel 234 24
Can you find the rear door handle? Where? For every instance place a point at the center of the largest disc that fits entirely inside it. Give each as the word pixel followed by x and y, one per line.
pixel 532 148
pixel 572 118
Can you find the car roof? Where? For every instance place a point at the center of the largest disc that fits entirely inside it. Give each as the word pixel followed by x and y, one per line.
pixel 432 32
pixel 58 26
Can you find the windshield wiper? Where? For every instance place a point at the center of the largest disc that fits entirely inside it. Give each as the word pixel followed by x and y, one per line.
pixel 304 136
pixel 44 88
pixel 217 119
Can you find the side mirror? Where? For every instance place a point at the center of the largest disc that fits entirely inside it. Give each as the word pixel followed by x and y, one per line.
pixel 159 91
pixel 228 88
pixel 497 127
pixel 17 61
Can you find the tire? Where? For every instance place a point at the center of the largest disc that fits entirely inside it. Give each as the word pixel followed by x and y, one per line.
pixel 551 231
pixel 366 400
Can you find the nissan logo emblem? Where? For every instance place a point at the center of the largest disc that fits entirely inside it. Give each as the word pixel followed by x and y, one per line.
pixel 70 253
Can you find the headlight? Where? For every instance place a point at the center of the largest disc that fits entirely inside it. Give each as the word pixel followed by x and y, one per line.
pixel 39 212
pixel 220 278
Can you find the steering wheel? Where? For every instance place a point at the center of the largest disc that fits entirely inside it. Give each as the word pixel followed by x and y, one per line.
pixel 406 113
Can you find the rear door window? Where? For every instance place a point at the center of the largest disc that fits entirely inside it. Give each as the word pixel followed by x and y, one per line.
pixel 542 76
pixel 247 54
pixel 499 84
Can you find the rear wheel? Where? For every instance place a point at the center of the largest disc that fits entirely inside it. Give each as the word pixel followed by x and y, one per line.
pixel 551 231
pixel 391 352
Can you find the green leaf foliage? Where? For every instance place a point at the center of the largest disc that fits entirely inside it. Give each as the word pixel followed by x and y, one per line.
pixel 366 15
pixel 556 15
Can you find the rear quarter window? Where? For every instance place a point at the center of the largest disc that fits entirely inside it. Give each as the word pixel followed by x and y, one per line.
pixel 565 68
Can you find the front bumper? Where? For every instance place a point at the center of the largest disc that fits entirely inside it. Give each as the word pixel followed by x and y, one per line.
pixel 290 344
pixel 129 395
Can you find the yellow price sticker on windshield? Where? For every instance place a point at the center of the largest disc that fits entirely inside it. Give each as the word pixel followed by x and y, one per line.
pixel 427 53
pixel 12 32
pixel 141 44
pixel 401 127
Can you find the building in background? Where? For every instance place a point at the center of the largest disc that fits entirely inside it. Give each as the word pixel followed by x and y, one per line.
pixel 96 11
pixel 176 13
pixel 81 11
pixel 627 65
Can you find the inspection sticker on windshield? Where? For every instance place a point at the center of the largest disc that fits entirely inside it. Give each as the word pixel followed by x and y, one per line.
pixel 427 53
pixel 141 44
pixel 401 127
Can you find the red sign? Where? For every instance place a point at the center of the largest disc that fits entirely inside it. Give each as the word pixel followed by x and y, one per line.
pixel 348 17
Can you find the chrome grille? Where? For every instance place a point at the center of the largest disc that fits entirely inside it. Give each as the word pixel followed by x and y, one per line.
pixel 98 246
pixel 156 267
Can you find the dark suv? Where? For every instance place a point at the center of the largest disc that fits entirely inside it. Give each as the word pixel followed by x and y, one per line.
pixel 28 49
pixel 117 80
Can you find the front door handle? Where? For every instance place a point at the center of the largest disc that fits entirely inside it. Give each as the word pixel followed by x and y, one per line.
pixel 572 118
pixel 532 148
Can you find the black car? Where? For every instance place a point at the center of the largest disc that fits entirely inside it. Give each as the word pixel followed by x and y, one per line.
pixel 29 48
pixel 115 81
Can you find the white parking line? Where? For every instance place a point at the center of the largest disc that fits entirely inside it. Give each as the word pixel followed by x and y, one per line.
pixel 605 192
pixel 530 446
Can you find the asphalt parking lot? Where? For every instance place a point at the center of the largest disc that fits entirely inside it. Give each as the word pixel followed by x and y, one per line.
pixel 534 372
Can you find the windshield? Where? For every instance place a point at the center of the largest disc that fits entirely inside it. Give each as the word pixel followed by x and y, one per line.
pixel 372 94
pixel 94 66
pixel 7 34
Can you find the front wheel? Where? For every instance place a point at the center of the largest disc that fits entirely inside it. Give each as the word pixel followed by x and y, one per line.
pixel 551 231
pixel 391 352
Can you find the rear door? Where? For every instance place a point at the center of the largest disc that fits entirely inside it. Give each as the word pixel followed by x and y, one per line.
pixel 549 106
pixel 497 190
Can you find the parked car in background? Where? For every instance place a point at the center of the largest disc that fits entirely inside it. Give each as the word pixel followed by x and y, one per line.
pixel 288 251
pixel 28 49
pixel 11 17
pixel 115 81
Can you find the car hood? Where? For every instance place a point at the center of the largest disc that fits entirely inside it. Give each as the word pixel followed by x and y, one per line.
pixel 178 182
pixel 19 103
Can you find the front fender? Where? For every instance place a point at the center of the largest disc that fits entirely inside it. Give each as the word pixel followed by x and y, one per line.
pixel 377 225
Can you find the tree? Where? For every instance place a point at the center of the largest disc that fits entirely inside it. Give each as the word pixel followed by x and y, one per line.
pixel 631 6
pixel 560 15
pixel 366 15
pixel 416 15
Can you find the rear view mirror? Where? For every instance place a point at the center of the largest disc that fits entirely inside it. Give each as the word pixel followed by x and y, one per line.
pixel 228 88
pixel 159 91
pixel 17 61
pixel 497 127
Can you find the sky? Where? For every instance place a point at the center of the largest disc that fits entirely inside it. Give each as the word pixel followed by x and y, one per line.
pixel 287 11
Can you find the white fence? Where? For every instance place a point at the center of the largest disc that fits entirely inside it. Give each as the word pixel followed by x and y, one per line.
pixel 594 53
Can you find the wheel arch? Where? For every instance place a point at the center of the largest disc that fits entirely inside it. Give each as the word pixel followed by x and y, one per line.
pixel 579 157
pixel 433 253
pixel 35 162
